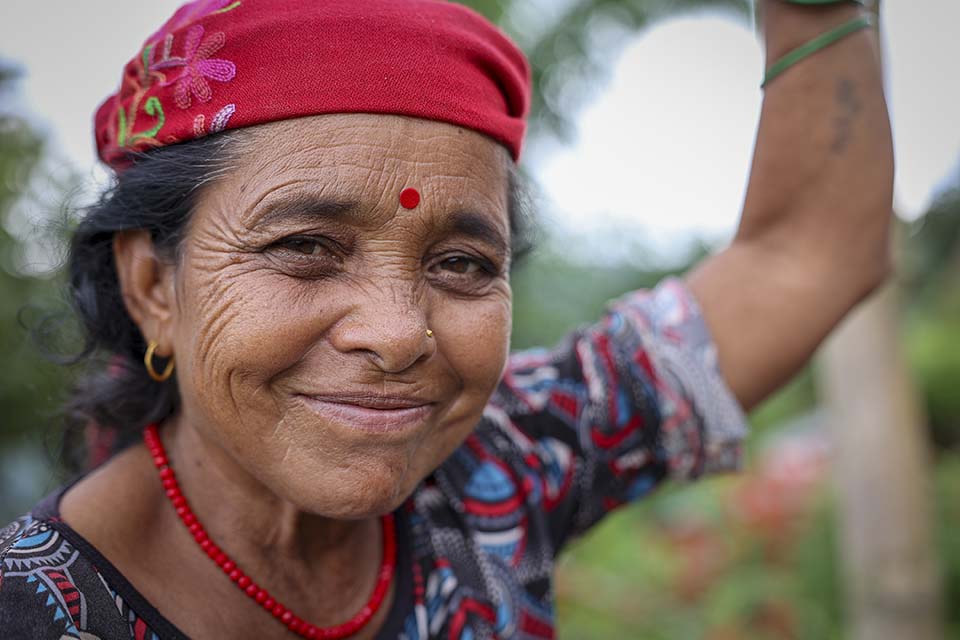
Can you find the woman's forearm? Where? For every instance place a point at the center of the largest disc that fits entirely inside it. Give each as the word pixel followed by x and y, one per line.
pixel 813 237
pixel 822 174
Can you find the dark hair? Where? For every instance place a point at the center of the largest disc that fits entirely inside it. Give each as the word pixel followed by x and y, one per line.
pixel 157 193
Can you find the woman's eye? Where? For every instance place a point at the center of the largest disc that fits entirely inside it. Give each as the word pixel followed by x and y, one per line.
pixel 304 246
pixel 460 265
pixel 463 273
pixel 306 256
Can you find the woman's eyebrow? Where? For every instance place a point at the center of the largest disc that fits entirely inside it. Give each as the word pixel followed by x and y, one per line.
pixel 476 225
pixel 305 208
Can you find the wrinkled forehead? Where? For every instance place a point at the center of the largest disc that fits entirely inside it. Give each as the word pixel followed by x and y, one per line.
pixel 371 159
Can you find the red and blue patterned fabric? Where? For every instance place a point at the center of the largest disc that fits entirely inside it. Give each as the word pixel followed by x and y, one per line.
pixel 569 435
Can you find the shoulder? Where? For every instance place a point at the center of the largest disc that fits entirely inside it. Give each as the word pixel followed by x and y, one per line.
pixel 32 556
pixel 10 534
pixel 49 588
pixel 26 542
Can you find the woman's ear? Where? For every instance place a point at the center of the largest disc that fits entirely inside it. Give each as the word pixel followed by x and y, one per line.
pixel 147 286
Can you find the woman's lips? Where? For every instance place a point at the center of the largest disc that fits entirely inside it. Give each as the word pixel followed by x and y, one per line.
pixel 370 414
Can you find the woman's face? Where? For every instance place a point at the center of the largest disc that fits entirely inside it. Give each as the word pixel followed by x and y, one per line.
pixel 305 291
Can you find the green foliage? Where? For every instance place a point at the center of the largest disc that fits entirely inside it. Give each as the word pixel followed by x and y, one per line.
pixel 492 10
pixel 686 564
pixel 933 346
pixel 947 483
pixel 932 260
pixel 21 386
pixel 635 575
pixel 552 295
pixel 29 385
pixel 931 277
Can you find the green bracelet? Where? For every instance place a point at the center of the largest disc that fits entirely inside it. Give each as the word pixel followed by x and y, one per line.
pixel 813 2
pixel 820 42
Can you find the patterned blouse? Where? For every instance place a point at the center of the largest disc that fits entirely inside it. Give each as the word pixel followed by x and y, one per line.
pixel 569 435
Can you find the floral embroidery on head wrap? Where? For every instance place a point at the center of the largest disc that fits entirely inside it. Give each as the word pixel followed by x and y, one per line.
pixel 197 67
pixel 146 73
pixel 136 84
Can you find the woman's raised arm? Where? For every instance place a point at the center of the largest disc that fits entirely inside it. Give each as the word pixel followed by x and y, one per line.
pixel 813 240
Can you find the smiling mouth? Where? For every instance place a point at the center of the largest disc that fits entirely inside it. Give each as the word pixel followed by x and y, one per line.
pixel 369 413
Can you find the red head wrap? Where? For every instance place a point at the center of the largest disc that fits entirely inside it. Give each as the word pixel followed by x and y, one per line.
pixel 225 64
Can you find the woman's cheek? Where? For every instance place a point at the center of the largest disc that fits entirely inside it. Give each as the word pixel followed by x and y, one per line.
pixel 243 327
pixel 475 337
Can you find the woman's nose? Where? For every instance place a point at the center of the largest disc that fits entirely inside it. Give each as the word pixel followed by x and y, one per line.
pixel 393 336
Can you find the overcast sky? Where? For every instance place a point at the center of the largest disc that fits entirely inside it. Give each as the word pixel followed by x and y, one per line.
pixel 663 150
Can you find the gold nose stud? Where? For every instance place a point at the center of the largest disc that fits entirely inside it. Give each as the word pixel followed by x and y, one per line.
pixel 429 333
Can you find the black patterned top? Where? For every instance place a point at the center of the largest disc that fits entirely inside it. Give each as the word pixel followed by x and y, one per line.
pixel 569 435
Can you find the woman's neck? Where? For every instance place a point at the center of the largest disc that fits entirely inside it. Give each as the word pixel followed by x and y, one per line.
pixel 237 508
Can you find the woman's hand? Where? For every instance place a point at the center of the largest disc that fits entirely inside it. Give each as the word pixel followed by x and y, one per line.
pixel 813 240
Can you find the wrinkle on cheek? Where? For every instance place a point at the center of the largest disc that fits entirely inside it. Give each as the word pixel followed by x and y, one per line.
pixel 302 297
pixel 235 391
pixel 213 229
pixel 213 357
pixel 218 296
pixel 261 389
pixel 279 427
pixel 214 317
pixel 288 449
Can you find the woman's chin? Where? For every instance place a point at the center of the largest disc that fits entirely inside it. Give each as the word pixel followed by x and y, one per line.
pixel 348 498
pixel 353 509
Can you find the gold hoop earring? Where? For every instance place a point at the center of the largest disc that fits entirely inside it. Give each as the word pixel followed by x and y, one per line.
pixel 148 361
pixel 429 333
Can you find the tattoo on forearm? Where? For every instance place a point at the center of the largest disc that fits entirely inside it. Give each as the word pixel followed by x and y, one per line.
pixel 850 106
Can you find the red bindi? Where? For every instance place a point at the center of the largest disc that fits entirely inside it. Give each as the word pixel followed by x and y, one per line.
pixel 409 198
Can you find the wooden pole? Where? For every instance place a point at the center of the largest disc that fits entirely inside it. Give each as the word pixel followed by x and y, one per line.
pixel 882 475
pixel 882 470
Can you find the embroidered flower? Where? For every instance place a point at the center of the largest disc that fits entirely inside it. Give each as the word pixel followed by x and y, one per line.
pixel 198 66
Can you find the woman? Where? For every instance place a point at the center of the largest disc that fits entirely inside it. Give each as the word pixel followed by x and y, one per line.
pixel 300 284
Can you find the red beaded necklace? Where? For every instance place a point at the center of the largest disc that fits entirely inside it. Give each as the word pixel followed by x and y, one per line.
pixel 257 593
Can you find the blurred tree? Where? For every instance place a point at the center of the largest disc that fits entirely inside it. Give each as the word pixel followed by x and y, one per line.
pixel 932 287
pixel 20 150
pixel 29 386
pixel 932 263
